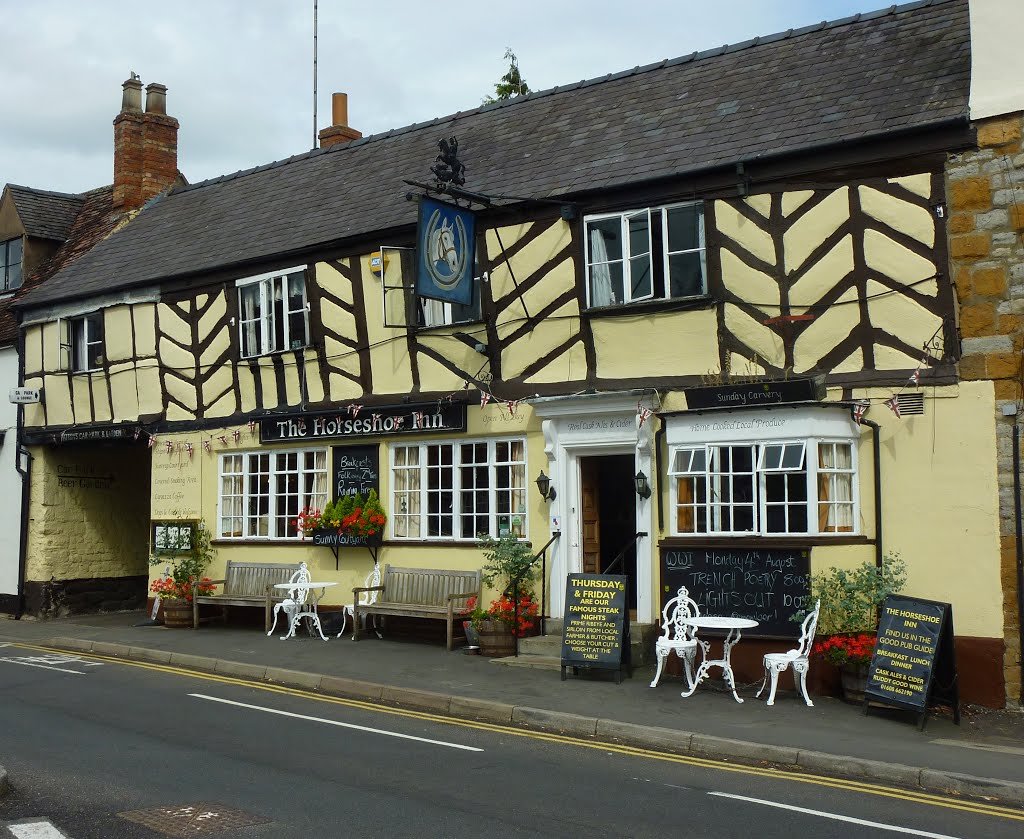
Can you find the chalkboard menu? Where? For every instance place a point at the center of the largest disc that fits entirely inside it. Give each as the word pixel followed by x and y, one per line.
pixel 355 470
pixel 596 627
pixel 914 664
pixel 768 585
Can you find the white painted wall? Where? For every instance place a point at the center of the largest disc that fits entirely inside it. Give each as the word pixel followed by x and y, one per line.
pixel 997 83
pixel 10 480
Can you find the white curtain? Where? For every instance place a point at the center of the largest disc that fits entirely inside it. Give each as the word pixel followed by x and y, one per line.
pixel 600 276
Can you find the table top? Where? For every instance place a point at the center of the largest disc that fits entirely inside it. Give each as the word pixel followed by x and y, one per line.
pixel 303 585
pixel 720 622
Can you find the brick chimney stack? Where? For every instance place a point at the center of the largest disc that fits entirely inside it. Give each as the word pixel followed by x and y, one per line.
pixel 338 133
pixel 145 145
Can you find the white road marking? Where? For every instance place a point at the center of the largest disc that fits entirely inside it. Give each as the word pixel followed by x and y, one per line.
pixel 35 830
pixel 43 666
pixel 906 831
pixel 335 722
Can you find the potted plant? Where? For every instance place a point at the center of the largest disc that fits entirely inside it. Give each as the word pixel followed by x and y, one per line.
pixel 349 521
pixel 848 621
pixel 187 556
pixel 507 564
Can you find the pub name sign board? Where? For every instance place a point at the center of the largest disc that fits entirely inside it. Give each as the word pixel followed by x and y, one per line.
pixel 364 422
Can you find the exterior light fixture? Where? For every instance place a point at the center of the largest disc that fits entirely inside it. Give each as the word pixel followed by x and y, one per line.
pixel 642 485
pixel 471 342
pixel 547 492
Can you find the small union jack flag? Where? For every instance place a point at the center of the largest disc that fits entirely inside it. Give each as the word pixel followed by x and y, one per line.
pixel 859 410
pixel 512 407
pixel 223 439
pixel 207 447
pixel 151 442
pixel 485 397
pixel 893 405
pixel 188 449
pixel 354 410
pixel 252 426
pixel 643 413
pixel 138 431
pixel 235 435
pixel 170 446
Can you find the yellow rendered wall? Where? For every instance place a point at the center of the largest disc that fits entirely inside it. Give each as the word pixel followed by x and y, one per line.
pixel 680 343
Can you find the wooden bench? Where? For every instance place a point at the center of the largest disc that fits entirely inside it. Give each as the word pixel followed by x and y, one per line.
pixel 419 593
pixel 246 584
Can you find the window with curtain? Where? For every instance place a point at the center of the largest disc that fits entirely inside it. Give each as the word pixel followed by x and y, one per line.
pixel 449 490
pixel 84 342
pixel 272 313
pixel 649 254
pixel 765 488
pixel 262 493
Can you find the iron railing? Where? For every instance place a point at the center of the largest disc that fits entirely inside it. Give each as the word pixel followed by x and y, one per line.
pixel 513 587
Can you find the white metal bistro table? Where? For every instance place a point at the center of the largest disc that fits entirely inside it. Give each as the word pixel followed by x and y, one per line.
pixel 304 609
pixel 733 627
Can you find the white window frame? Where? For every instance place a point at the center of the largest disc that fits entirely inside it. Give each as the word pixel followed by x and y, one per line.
pixel 265 317
pixel 276 492
pixel 78 335
pixel 457 488
pixel 627 256
pixel 684 460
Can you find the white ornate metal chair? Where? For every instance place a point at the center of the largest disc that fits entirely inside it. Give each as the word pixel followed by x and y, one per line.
pixel 294 605
pixel 676 636
pixel 798 659
pixel 366 598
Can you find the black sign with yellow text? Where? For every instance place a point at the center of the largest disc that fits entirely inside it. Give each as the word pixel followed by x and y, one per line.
pixel 596 627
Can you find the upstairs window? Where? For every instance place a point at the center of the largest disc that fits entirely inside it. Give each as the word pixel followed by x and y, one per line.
pixel 431 312
pixel 10 264
pixel 642 255
pixel 273 315
pixel 83 342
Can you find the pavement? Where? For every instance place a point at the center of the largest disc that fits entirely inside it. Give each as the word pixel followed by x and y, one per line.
pixel 983 757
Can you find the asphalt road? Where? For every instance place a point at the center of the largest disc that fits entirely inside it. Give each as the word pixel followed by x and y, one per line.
pixel 102 748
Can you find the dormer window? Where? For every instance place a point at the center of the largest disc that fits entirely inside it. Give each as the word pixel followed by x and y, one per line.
pixel 272 313
pixel 10 264
pixel 645 255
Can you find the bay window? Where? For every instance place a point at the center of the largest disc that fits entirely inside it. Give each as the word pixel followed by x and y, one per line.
pixel 766 488
pixel 458 490
pixel 262 493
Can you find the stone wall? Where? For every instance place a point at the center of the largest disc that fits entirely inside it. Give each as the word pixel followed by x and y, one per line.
pixel 985 189
pixel 88 529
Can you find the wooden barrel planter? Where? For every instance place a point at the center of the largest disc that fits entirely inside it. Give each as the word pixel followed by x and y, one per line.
pixel 496 639
pixel 177 613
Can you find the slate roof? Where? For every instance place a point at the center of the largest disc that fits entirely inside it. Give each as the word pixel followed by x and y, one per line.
pixel 48 215
pixel 95 219
pixel 902 68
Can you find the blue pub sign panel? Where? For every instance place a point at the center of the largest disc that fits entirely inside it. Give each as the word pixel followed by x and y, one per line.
pixel 445 243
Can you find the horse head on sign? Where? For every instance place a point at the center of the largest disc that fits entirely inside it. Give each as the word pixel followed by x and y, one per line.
pixel 442 246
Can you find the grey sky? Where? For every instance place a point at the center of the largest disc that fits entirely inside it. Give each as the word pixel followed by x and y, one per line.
pixel 239 72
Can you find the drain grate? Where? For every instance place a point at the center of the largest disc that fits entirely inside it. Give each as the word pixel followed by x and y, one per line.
pixel 193 819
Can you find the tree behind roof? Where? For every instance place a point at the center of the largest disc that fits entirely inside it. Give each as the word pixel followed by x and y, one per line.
pixel 511 84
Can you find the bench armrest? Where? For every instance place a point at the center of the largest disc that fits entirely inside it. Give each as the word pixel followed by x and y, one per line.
pixel 369 588
pixel 465 595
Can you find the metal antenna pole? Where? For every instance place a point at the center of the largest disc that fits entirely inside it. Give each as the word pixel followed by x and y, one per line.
pixel 314 73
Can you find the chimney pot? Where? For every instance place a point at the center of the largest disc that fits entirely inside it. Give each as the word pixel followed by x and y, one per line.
pixel 156 98
pixel 339 109
pixel 131 96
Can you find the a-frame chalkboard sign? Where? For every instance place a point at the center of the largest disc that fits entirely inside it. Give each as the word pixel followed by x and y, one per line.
pixel 914 664
pixel 595 631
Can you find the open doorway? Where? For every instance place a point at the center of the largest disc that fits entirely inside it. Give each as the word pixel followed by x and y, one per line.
pixel 608 521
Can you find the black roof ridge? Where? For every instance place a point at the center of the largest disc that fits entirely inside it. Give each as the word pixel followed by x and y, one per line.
pixel 51 193
pixel 713 52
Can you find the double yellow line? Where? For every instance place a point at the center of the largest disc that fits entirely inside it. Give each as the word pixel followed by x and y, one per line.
pixel 977 807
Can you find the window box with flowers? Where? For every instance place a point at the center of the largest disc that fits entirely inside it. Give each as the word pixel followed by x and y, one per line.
pixel 186 553
pixel 349 522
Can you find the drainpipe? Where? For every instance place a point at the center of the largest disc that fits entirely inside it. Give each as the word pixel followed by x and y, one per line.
pixel 876 449
pixel 659 436
pixel 1020 553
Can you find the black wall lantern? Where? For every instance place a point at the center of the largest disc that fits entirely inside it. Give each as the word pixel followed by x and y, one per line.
pixel 547 492
pixel 643 487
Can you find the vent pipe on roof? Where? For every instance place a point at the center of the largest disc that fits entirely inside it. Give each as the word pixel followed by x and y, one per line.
pixel 339 132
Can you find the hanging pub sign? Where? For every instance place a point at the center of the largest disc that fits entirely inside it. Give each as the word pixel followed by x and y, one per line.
pixel 755 394
pixel 914 664
pixel 595 632
pixel 445 248
pixel 363 421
